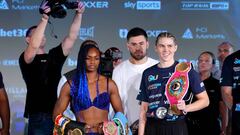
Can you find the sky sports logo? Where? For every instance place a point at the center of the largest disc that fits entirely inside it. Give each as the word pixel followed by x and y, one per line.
pixel 143 5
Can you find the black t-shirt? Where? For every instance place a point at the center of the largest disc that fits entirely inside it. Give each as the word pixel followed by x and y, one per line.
pixel 41 77
pixel 69 75
pixel 211 113
pixel 1 81
pixel 154 80
pixel 231 77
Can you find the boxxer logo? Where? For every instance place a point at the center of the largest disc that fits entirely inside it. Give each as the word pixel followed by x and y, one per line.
pixel 96 4
pixel 151 33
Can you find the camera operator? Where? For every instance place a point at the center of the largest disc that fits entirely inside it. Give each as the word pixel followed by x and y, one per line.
pixel 110 59
pixel 41 71
pixel 115 55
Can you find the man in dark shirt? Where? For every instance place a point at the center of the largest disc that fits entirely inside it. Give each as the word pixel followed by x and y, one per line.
pixel 230 87
pixel 4 109
pixel 41 71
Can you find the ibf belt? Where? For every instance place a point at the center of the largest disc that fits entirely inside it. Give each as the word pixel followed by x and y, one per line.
pixel 177 86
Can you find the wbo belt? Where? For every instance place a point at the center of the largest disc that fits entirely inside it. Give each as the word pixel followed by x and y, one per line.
pixel 177 86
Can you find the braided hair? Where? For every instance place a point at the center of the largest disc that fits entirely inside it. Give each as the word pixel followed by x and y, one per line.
pixel 79 88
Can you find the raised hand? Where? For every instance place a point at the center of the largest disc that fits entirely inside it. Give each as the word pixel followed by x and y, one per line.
pixel 44 8
pixel 80 8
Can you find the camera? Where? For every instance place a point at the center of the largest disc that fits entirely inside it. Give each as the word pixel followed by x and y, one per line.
pixel 107 58
pixel 106 66
pixel 59 7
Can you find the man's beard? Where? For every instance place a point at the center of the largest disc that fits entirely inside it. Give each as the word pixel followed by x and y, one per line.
pixel 138 56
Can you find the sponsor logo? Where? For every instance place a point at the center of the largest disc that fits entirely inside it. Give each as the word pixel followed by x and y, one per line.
pixel 237 61
pixel 237 107
pixel 86 33
pixel 236 77
pixel 204 5
pixel 24 5
pixel 27 4
pixel 155 96
pixel 71 62
pixel 13 32
pixel 154 33
pixel 182 60
pixel 16 91
pixel 154 86
pixel 152 78
pixel 123 33
pixel 143 5
pixel 169 75
pixel 96 4
pixel 201 84
pixel 154 104
pixel 187 34
pixel 3 5
pixel 9 62
pixel 201 33
pixel 151 33
pixel 234 85
pixel 18 1
pixel 220 80
pixel 236 69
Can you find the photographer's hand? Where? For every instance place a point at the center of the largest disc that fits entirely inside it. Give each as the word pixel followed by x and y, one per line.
pixel 80 8
pixel 45 9
pixel 72 36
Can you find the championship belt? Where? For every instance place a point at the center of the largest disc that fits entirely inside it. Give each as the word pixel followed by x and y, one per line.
pixel 65 126
pixel 110 128
pixel 122 124
pixel 177 86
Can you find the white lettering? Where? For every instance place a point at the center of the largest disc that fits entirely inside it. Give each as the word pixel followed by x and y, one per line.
pixel 13 33
pixel 96 4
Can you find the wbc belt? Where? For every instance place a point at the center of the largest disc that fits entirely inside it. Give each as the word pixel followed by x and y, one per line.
pixel 177 86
